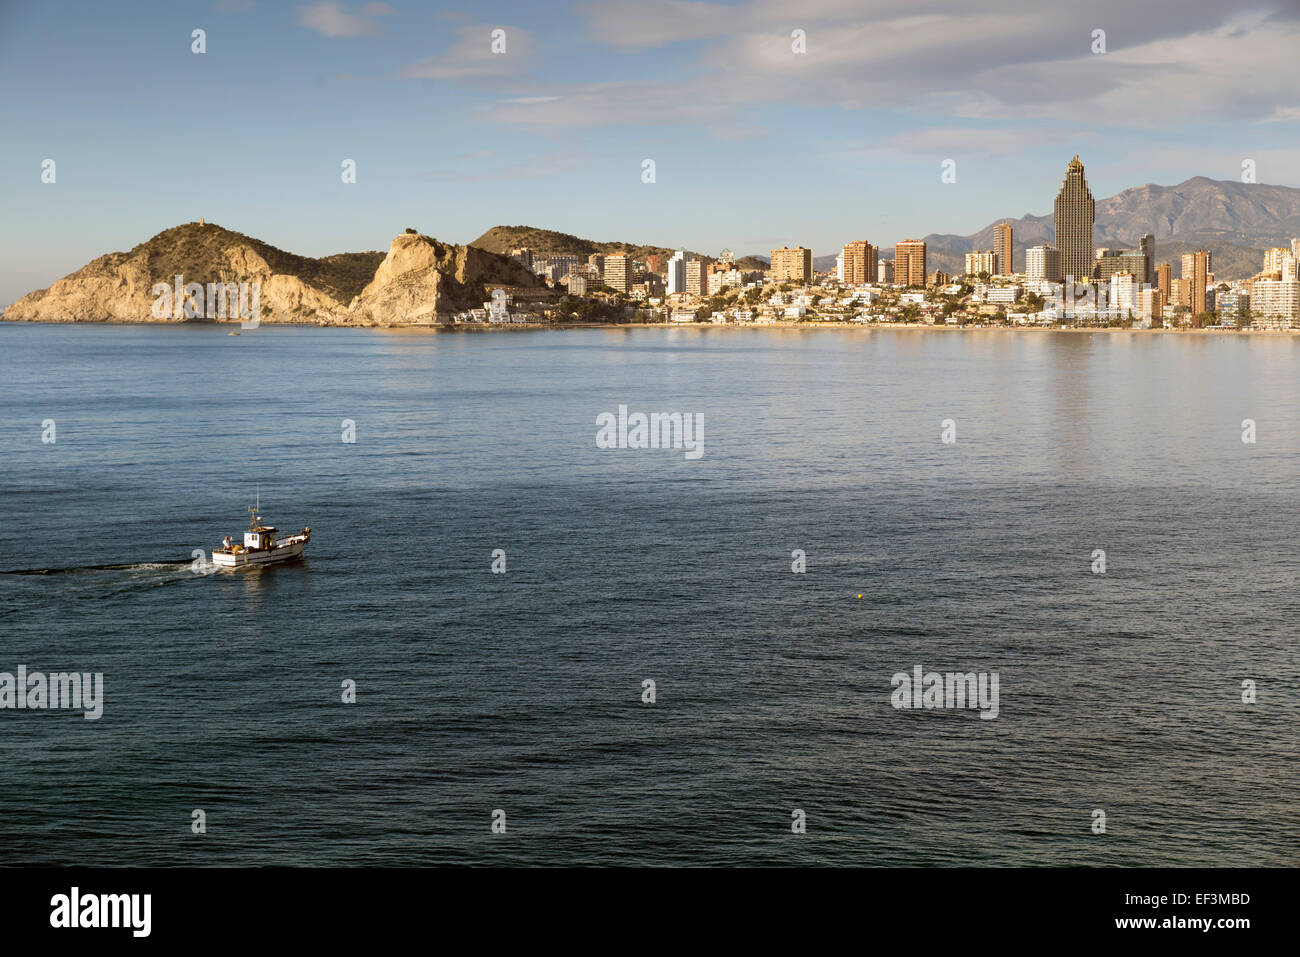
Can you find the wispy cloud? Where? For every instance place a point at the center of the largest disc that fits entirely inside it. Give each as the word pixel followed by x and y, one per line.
pixel 473 56
pixel 331 19
pixel 968 142
pixel 566 159
pixel 1167 62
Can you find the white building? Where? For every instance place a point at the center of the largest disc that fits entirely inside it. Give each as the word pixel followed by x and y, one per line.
pixel 677 273
pixel 1001 295
pixel 1275 301
pixel 978 262
pixel 1124 292
pixel 498 310
pixel 729 279
pixel 1043 262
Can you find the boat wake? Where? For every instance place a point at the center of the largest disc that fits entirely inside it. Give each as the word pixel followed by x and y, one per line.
pixel 86 569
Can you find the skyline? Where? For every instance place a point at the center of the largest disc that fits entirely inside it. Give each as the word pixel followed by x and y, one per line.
pixel 554 132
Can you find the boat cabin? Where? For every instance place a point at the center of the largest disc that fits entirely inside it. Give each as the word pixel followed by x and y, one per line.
pixel 260 537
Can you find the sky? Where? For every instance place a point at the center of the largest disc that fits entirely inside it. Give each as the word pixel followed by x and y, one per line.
pixel 768 122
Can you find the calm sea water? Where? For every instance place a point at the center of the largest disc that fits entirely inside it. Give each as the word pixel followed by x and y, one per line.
pixel 522 691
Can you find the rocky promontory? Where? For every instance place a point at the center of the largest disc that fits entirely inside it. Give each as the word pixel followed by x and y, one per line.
pixel 199 271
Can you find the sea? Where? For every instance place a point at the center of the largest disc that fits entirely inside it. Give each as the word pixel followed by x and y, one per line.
pixel 511 644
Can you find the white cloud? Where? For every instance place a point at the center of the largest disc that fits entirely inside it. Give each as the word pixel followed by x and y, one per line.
pixel 331 19
pixel 472 58
pixel 1168 62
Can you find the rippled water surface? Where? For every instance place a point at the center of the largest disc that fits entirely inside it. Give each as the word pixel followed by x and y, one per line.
pixel 522 691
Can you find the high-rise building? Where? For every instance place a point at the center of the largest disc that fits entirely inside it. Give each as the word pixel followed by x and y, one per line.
pixel 792 264
pixel 1131 261
pixel 1075 214
pixel 1125 291
pixel 1275 258
pixel 618 271
pixel 909 262
pixel 859 262
pixel 885 271
pixel 1233 306
pixel 1147 247
pixel 1003 249
pixel 597 260
pixel 1043 262
pixel 1196 269
pixel 654 263
pixel 697 281
pixel 978 262
pixel 1163 271
pixel 1275 300
pixel 677 273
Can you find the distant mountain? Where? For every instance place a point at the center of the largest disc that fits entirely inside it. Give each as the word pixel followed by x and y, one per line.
pixel 1235 221
pixel 419 280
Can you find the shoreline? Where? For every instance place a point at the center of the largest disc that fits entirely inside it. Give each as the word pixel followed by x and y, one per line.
pixel 561 326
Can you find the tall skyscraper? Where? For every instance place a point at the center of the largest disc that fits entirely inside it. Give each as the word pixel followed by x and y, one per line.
pixel 677 273
pixel 909 262
pixel 1196 269
pixel 1076 212
pixel 618 272
pixel 1147 246
pixel 697 282
pixel 792 265
pixel 859 262
pixel 1003 249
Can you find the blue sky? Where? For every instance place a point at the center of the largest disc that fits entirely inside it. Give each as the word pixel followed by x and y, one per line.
pixel 754 145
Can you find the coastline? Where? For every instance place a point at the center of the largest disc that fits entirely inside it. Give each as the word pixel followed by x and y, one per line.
pixel 782 325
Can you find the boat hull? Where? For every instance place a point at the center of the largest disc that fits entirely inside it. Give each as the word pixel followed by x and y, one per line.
pixel 270 556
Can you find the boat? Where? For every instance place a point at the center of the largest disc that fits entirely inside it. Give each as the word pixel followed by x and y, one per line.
pixel 260 547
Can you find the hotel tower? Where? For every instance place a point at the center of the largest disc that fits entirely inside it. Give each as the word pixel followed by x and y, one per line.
pixel 1075 214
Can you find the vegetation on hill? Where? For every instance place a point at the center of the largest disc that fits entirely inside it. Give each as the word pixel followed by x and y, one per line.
pixel 196 252
pixel 548 242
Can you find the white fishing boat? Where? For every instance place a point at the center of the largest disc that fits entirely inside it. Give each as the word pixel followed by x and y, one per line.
pixel 260 547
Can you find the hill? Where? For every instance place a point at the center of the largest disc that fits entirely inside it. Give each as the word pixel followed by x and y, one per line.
pixel 548 242
pixel 418 280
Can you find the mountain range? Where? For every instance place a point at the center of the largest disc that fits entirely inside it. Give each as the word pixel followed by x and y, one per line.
pixel 1236 222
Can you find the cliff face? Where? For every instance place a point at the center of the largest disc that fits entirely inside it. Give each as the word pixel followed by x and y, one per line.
pixel 422 281
pixel 419 281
